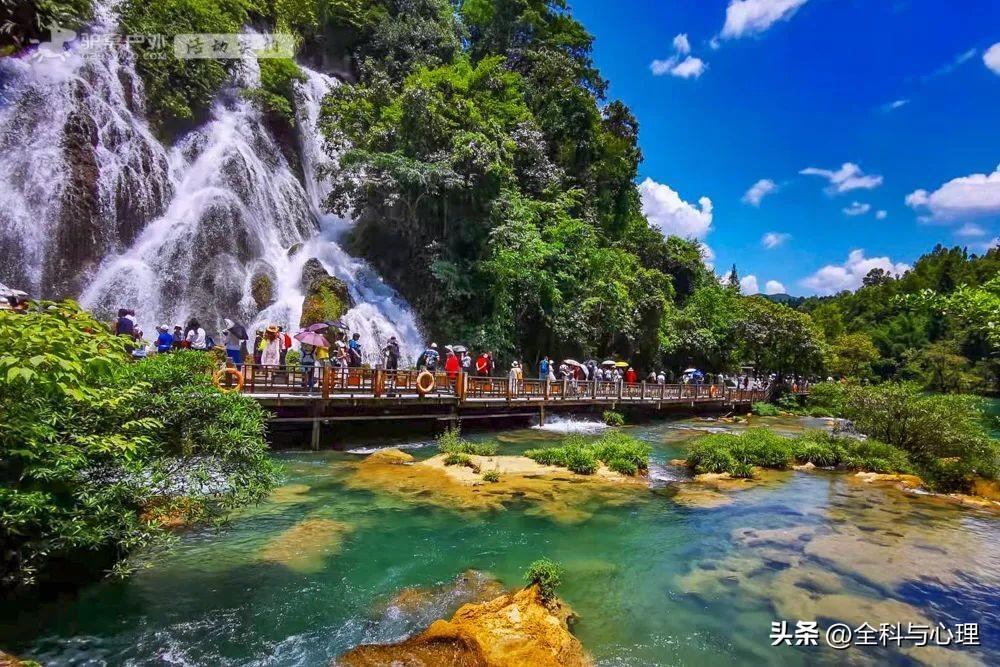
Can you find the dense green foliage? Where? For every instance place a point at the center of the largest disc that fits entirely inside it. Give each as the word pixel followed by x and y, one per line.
pixel 547 575
pixel 738 454
pixel 620 452
pixel 179 88
pixel 277 87
pixel 938 324
pixel 613 418
pixel 93 448
pixel 946 435
pixel 765 409
pixel 22 22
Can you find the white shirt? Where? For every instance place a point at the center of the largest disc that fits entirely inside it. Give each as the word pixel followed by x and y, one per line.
pixel 197 338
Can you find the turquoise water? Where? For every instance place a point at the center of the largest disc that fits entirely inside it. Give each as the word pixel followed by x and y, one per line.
pixel 667 578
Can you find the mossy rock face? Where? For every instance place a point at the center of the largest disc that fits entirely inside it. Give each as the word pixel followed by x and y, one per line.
pixel 262 290
pixel 326 297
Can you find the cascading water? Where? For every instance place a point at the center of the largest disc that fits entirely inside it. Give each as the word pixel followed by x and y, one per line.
pixel 81 171
pixel 180 233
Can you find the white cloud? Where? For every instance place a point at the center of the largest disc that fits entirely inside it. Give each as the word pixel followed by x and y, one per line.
pixel 970 230
pixel 774 239
pixel 952 65
pixel 681 44
pixel 758 191
pixel 672 215
pixel 895 104
pixel 681 64
pixel 960 198
pixel 689 68
pixel 992 58
pixel 748 284
pixel 881 215
pixel 774 287
pixel 857 208
pixel 848 177
pixel 752 17
pixel 834 278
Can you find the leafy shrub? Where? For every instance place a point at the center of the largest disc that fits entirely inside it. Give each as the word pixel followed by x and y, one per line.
pixel 612 418
pixel 451 442
pixel 764 410
pixel 457 460
pixel 710 454
pixel 741 470
pixel 619 446
pixel 628 454
pixel 762 448
pixel 276 94
pixel 293 360
pixel 581 460
pixel 817 411
pixel 929 427
pixel 828 396
pixel 89 440
pixel 547 575
pixel 788 402
pixel 623 466
pixel 491 476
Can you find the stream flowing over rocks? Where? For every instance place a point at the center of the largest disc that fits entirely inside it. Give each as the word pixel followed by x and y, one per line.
pixel 220 224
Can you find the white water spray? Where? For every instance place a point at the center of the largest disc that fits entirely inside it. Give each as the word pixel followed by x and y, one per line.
pixel 176 233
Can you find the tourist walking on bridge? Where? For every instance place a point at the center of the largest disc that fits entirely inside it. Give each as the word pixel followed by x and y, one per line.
pixel 543 368
pixel 391 354
pixel 484 364
pixel 272 344
pixel 354 351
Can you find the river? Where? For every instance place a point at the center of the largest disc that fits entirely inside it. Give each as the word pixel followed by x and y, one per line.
pixel 659 577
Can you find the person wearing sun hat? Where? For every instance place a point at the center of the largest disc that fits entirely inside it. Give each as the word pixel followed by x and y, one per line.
pixel 164 339
pixel 272 345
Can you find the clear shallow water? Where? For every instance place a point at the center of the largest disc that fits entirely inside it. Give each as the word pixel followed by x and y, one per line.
pixel 665 579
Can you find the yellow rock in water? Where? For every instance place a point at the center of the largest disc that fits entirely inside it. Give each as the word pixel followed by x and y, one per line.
pixel 513 630
pixel 306 545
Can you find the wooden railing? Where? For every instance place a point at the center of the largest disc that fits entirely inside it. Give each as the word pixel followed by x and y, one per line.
pixel 327 382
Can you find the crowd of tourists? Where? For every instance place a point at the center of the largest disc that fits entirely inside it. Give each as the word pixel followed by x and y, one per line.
pixel 331 345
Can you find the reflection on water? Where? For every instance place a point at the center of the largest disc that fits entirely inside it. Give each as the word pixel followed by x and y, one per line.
pixel 668 579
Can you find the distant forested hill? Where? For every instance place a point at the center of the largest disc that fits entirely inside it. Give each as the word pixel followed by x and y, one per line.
pixel 939 323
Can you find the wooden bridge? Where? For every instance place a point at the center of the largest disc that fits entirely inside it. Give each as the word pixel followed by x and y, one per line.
pixel 327 395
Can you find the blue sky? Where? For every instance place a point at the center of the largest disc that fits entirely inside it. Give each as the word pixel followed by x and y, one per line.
pixel 765 89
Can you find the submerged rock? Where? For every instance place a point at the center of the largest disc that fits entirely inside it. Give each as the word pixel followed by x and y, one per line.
pixel 305 546
pixel 511 630
pixel 429 603
pixel 553 492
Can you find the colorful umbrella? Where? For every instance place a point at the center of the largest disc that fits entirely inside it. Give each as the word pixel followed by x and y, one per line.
pixel 608 362
pixel 319 326
pixel 622 364
pixel 572 362
pixel 339 324
pixel 312 338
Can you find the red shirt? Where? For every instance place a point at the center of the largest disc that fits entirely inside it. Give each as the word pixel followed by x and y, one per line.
pixel 483 364
pixel 630 377
pixel 451 366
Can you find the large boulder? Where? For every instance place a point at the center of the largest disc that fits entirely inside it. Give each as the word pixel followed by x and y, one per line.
pixel 514 629
pixel 326 297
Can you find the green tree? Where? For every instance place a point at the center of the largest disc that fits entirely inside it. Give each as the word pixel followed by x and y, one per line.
pixel 92 445
pixel 851 355
pixel 778 339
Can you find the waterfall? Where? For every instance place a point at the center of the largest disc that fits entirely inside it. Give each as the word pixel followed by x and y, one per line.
pixel 173 232
pixel 82 172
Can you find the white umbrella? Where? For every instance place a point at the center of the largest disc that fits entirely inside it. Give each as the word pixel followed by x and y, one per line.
pixel 691 370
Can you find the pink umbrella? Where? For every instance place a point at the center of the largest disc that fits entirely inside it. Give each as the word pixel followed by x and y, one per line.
pixel 311 338
pixel 319 326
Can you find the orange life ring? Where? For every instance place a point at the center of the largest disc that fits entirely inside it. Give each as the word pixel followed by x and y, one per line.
pixel 425 382
pixel 224 373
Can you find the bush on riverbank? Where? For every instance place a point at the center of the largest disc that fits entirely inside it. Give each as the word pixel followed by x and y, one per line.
pixel 738 454
pixel 764 409
pixel 90 440
pixel 945 434
pixel 451 442
pixel 612 418
pixel 620 452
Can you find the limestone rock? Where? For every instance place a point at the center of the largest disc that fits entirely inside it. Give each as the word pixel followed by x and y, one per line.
pixel 326 297
pixel 514 629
